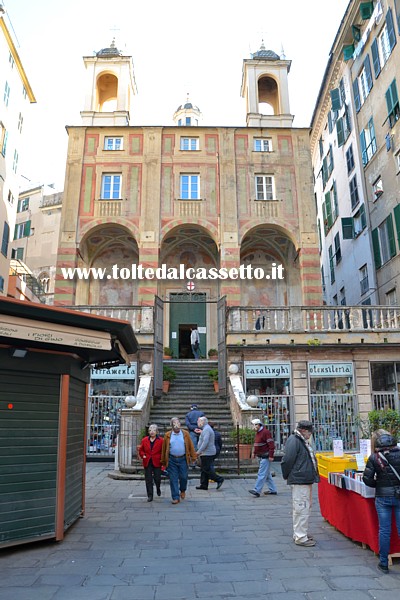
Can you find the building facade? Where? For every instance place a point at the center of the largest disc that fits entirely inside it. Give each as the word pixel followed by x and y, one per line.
pixel 16 95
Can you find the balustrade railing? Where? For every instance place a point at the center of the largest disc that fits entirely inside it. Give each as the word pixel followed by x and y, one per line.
pixel 313 319
pixel 140 317
pixel 385 400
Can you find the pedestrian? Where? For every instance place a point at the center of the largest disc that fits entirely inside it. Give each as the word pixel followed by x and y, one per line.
pixel 195 342
pixel 176 454
pixel 380 473
pixel 191 419
pixel 206 451
pixel 299 467
pixel 217 439
pixel 150 453
pixel 264 450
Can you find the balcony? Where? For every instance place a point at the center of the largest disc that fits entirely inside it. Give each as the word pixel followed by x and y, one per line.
pixel 189 208
pixel 109 208
pixel 314 319
pixel 140 317
pixel 266 209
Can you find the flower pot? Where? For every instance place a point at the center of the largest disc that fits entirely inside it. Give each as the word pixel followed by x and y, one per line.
pixel 167 357
pixel 216 387
pixel 165 386
pixel 244 451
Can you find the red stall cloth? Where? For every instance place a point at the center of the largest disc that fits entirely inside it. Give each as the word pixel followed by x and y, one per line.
pixel 353 515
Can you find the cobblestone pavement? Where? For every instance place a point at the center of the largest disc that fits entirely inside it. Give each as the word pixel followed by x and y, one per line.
pixel 217 545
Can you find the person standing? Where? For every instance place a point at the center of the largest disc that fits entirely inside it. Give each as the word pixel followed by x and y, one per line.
pixel 264 450
pixel 150 453
pixel 191 423
pixel 195 342
pixel 300 469
pixel 379 473
pixel 206 450
pixel 176 454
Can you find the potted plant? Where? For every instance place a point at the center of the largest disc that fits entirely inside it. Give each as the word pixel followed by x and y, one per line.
pixel 213 375
pixel 212 353
pixel 168 376
pixel 244 441
pixel 167 353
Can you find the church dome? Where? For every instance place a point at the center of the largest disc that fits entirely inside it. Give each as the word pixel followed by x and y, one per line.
pixel 110 52
pixel 188 106
pixel 265 54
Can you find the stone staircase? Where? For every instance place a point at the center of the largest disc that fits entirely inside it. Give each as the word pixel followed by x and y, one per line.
pixel 192 384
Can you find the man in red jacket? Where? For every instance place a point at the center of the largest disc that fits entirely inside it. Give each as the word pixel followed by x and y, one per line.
pixel 150 452
pixel 264 449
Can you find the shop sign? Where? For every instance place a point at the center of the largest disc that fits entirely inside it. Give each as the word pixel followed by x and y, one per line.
pixel 120 372
pixel 334 369
pixel 257 370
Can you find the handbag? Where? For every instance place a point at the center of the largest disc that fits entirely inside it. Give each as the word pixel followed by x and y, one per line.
pixel 396 489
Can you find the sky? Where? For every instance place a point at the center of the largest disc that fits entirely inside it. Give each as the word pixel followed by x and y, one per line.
pixel 176 47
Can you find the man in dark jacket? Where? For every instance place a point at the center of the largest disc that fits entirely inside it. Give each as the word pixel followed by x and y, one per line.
pixel 264 449
pixel 299 467
pixel 191 423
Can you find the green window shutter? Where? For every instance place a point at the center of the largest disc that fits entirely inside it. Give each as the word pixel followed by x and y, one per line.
pixel 319 235
pixel 363 216
pixel 347 228
pixel 375 58
pixel 27 229
pixel 325 218
pixel 390 29
pixel 324 171
pixel 397 11
pixel 331 265
pixel 338 252
pixel 335 200
pixel 366 10
pixel 368 74
pixel 15 232
pixel 389 101
pixel 330 124
pixel 363 148
pixel 356 31
pixel 397 222
pixel 348 52
pixel 376 248
pixel 390 230
pixel 329 217
pixel 356 92
pixel 340 132
pixel 336 100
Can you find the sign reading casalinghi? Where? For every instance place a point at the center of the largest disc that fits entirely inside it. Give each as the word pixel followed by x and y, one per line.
pixel 266 369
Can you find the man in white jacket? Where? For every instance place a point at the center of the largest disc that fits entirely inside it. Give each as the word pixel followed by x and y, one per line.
pixel 206 450
pixel 195 342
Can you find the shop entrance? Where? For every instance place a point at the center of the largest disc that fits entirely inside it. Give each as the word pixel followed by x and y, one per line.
pixel 185 314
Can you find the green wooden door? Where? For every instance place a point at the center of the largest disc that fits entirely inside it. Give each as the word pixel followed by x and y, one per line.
pixel 181 316
pixel 29 415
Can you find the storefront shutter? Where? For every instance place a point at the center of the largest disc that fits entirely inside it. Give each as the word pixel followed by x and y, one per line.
pixel 375 58
pixel 390 29
pixel 356 93
pixel 390 230
pixel 376 248
pixel 347 228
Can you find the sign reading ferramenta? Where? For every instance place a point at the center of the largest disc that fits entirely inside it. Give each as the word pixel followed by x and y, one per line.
pixel 256 370
pixel 332 369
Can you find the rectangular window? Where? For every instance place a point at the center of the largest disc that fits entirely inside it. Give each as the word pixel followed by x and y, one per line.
pixel 350 159
pixel 365 80
pixel 364 284
pixel 15 162
pixel 113 143
pixel 262 145
pixel 20 122
pixel 368 142
pixel 189 143
pixel 1 284
pixel 6 96
pixel 111 187
pixel 4 142
pixel 354 192
pixel 11 60
pixel 22 230
pixel 10 197
pixel 321 147
pixel 188 121
pixel 383 45
pixel 338 252
pixel 264 187
pixel 392 103
pixel 190 187
pixel 391 297
pixel 377 187
pixel 24 93
pixel 331 265
pixel 17 253
pixel 5 239
pixel 23 205
pixel 359 221
pixel 383 242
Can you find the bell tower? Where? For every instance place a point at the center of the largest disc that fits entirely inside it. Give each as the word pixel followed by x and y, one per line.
pixel 110 88
pixel 265 87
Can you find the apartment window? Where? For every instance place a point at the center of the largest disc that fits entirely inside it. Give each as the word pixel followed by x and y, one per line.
pixel 383 242
pixel 189 143
pixel 11 60
pixel 364 284
pixel 354 192
pixel 6 96
pixel 321 147
pixel 24 92
pixel 4 142
pixel 391 297
pixel 264 187
pixel 188 121
pixel 350 159
pixel 262 145
pixel 17 253
pixel 377 187
pixel 331 265
pixel 362 84
pixel 342 292
pixel 1 284
pixel 20 122
pixel 5 239
pixel 368 142
pixel 22 230
pixel 10 197
pixel 23 205
pixel 392 103
pixel 190 187
pixel 179 122
pixel 330 208
pixel 353 226
pixel 113 143
pixel 338 252
pixel 15 161
pixel 111 187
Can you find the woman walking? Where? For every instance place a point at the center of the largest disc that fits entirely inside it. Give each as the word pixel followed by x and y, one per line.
pixel 150 453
